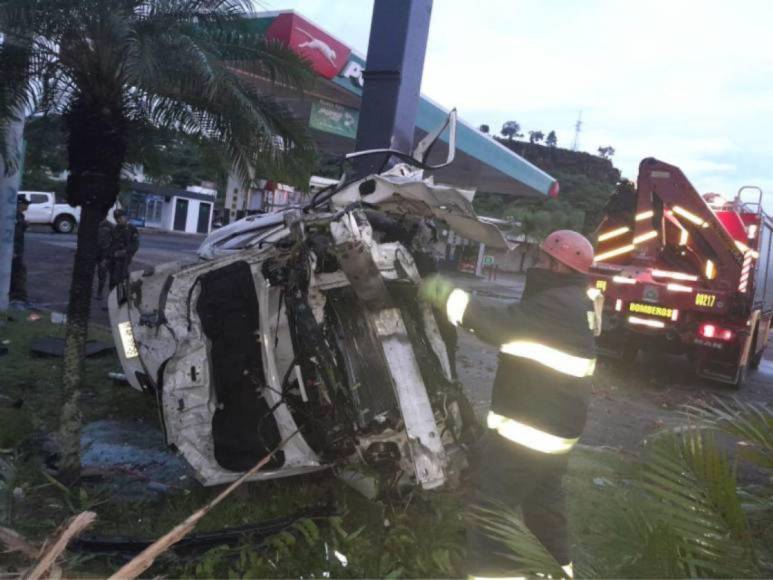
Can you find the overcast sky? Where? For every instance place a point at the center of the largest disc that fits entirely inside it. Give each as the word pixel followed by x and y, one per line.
pixel 689 82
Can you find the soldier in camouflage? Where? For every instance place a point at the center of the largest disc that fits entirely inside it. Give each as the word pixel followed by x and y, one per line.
pixel 104 238
pixel 18 291
pixel 124 243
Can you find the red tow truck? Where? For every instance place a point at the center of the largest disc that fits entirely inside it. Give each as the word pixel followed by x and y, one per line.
pixel 685 274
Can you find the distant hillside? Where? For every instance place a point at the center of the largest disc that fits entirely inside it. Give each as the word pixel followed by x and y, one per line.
pixel 552 159
pixel 586 183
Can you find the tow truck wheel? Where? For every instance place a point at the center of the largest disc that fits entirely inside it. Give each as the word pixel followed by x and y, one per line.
pixel 755 361
pixel 740 381
pixel 629 354
pixel 756 358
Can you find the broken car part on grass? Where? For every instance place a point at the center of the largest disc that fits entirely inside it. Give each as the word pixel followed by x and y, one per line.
pixel 309 321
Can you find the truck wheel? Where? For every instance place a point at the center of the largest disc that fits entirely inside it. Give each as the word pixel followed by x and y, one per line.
pixel 756 357
pixel 629 354
pixel 754 362
pixel 64 224
pixel 743 373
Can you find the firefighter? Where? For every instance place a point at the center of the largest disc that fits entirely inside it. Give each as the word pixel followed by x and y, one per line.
pixel 104 237
pixel 18 290
pixel 124 243
pixel 540 397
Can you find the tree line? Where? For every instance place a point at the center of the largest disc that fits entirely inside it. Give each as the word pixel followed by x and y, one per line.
pixel 512 130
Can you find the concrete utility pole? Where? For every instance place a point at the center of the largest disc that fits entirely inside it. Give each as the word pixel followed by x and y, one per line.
pixel 393 71
pixel 9 187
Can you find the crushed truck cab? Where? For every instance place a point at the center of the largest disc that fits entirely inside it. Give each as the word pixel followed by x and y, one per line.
pixel 685 274
pixel 310 324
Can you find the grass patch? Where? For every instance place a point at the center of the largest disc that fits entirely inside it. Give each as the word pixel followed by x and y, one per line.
pixel 28 430
pixel 37 380
pixel 598 489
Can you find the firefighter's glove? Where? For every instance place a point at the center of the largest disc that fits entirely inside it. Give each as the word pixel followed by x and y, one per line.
pixel 436 290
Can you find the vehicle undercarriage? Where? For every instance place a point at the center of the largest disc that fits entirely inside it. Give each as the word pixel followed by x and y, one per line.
pixel 311 325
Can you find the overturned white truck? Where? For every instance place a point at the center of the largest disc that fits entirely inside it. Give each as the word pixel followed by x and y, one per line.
pixel 309 321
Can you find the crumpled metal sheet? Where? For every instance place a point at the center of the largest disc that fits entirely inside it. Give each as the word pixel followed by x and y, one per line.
pixel 410 194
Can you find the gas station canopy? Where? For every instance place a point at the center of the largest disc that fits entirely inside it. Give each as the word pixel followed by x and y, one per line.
pixel 332 109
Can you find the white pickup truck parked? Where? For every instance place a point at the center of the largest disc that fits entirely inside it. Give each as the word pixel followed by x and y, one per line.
pixel 61 217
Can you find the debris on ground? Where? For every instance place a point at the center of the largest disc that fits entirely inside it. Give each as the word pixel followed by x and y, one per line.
pixel 54 346
pixel 7 478
pixel 10 402
pixel 145 559
pixel 46 556
pixel 200 543
pixel 132 458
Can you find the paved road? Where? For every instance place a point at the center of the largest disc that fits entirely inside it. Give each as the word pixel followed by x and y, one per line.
pixel 49 258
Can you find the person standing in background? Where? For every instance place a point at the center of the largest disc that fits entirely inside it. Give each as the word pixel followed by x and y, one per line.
pixel 18 291
pixel 104 238
pixel 124 243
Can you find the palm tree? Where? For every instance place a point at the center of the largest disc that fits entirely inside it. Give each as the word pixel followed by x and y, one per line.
pixel 116 68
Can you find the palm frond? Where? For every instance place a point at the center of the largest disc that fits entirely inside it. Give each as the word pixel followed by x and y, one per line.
pixel 694 488
pixel 752 423
pixel 527 553
pixel 655 550
pixel 193 66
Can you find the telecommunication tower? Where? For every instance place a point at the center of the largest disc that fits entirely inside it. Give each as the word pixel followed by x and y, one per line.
pixel 577 129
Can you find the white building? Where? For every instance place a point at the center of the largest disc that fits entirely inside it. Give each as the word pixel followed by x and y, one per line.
pixel 170 208
pixel 269 197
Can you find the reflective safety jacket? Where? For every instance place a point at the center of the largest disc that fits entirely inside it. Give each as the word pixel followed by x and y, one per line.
pixel 547 356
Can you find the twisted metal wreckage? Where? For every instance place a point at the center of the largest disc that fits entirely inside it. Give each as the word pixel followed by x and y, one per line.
pixel 309 320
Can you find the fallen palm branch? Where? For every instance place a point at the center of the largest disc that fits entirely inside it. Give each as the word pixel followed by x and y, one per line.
pixel 47 555
pixel 15 542
pixel 145 559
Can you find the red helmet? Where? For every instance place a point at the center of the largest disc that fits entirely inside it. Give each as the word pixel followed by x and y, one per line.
pixel 569 248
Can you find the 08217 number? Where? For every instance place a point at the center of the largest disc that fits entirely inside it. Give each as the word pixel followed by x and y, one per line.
pixel 706 300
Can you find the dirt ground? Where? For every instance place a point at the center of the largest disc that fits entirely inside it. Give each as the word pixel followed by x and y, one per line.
pixel 628 404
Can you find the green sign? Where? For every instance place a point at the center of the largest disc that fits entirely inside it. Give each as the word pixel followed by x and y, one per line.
pixel 335 119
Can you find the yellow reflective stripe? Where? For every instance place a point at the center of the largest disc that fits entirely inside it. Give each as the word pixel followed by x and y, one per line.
pixel 456 305
pixel 552 358
pixel 527 436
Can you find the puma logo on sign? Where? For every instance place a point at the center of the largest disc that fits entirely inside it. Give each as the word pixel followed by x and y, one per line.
pixel 316 44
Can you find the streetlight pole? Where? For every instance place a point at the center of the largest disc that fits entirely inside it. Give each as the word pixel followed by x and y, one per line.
pixel 390 97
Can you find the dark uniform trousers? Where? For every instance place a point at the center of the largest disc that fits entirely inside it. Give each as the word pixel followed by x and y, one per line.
pixel 18 289
pixel 103 269
pixel 124 243
pixel 516 478
pixel 119 270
